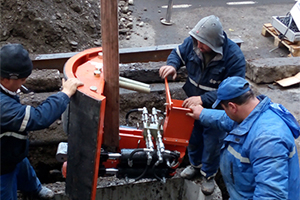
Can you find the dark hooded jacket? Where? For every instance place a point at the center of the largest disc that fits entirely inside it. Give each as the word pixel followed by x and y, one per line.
pixel 17 120
pixel 228 61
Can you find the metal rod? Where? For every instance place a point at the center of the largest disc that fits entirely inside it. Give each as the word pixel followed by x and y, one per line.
pixel 169 11
pixel 111 171
pixel 114 155
pixel 167 21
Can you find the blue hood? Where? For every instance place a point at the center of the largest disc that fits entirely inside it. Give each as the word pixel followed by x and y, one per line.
pixel 287 117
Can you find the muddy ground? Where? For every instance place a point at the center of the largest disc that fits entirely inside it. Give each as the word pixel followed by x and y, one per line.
pixel 59 26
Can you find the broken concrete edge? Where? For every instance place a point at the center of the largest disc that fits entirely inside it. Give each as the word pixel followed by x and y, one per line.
pixel 269 70
pixel 174 188
pixel 266 70
pixel 48 80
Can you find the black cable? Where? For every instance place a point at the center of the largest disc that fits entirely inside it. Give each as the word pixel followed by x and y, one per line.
pixel 132 153
pixel 128 113
pixel 130 160
pixel 141 176
pixel 156 176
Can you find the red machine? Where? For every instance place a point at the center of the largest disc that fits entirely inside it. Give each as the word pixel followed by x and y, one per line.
pixel 153 151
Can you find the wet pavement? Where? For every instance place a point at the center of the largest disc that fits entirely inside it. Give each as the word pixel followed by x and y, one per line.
pixel 239 21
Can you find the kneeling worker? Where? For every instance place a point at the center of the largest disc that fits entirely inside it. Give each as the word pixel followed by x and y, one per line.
pixel 17 119
pixel 259 157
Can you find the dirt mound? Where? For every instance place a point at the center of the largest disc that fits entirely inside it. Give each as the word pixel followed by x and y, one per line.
pixel 54 26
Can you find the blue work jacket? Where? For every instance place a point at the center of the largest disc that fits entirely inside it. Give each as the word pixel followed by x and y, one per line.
pixel 202 81
pixel 17 119
pixel 259 157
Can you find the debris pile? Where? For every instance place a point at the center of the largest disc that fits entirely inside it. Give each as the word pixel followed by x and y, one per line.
pixel 58 26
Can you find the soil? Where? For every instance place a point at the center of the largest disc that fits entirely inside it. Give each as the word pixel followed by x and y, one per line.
pixel 57 26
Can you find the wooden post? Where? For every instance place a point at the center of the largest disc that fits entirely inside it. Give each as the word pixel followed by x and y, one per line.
pixel 110 45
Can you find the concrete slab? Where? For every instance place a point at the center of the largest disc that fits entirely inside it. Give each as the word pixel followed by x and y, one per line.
pixel 174 189
pixel 268 70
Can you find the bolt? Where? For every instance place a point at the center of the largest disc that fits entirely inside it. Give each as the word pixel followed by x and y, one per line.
pixel 100 55
pixel 99 66
pixel 97 73
pixel 93 88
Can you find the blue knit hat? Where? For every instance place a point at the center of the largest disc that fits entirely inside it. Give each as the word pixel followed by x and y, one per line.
pixel 231 88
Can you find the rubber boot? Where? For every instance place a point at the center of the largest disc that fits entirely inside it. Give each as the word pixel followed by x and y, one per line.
pixel 45 193
pixel 208 185
pixel 189 172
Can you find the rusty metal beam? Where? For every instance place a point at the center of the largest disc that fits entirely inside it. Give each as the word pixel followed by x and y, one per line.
pixel 146 54
pixel 127 55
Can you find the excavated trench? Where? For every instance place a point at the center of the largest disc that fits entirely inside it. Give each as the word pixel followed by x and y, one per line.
pixel 44 143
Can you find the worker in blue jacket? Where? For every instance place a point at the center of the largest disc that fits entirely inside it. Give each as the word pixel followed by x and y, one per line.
pixel 209 57
pixel 259 157
pixel 17 119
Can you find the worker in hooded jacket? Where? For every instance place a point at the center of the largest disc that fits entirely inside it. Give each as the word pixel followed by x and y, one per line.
pixel 259 157
pixel 17 119
pixel 209 57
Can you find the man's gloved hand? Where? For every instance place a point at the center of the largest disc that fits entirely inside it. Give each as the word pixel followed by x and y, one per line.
pixel 195 100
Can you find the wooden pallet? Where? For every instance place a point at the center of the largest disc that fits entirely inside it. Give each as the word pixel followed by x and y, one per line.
pixel 268 31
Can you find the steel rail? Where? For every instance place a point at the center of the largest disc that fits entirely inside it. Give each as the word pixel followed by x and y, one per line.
pixel 127 55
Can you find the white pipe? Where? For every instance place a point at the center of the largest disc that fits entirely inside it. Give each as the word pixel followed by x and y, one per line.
pixel 135 87
pixel 133 82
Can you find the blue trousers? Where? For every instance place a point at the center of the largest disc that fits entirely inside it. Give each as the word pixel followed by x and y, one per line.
pixel 22 178
pixel 204 148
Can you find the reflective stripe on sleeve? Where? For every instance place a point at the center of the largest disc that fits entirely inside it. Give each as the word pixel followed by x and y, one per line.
pixel 293 152
pixel 25 120
pixel 13 134
pixel 237 155
pixel 202 86
pixel 246 160
pixel 179 54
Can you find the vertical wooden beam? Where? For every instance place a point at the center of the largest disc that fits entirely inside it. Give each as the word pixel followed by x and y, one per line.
pixel 110 45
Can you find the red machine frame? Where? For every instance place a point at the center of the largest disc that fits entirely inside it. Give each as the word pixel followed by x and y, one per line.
pixel 177 125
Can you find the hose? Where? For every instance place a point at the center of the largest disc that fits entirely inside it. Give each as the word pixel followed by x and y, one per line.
pixel 128 113
pixel 141 176
pixel 130 161
pixel 156 176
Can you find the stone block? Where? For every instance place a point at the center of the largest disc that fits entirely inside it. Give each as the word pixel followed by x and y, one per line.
pixel 268 70
pixel 46 80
